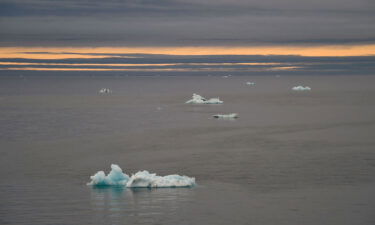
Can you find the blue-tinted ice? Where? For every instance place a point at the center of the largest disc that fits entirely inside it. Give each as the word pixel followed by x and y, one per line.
pixel 140 179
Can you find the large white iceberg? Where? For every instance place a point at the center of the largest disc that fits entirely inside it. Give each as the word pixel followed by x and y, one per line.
pixel 301 88
pixel 226 116
pixel 197 99
pixel 140 179
pixel 250 83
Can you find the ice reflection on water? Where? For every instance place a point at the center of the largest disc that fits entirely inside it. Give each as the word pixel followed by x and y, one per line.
pixel 116 205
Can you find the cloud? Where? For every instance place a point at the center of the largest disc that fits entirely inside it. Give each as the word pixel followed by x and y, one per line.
pixel 151 64
pixel 183 22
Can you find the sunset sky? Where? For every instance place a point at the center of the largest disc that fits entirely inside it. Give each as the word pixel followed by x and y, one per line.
pixel 318 36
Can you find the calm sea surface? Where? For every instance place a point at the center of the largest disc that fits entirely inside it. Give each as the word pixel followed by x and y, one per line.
pixel 293 158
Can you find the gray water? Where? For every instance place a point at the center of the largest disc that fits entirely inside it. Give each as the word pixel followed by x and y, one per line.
pixel 290 158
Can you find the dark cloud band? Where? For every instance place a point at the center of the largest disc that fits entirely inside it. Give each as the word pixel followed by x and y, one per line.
pixel 185 23
pixel 122 64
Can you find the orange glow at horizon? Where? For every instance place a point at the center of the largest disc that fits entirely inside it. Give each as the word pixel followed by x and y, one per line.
pixel 91 69
pixel 146 69
pixel 137 65
pixel 84 52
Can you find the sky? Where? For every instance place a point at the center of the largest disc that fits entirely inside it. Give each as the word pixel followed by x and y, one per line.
pixel 110 30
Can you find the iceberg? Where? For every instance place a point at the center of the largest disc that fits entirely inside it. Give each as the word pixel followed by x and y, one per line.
pixel 250 83
pixel 115 177
pixel 226 116
pixel 197 99
pixel 301 88
pixel 105 91
pixel 141 179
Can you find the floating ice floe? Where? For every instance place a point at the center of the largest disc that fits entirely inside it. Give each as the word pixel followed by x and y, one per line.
pixel 226 76
pixel 301 88
pixel 105 91
pixel 197 99
pixel 226 116
pixel 141 179
pixel 250 83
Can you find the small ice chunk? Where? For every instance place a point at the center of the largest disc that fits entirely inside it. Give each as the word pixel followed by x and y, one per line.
pixel 140 179
pixel 301 88
pixel 105 91
pixel 226 116
pixel 197 99
pixel 213 101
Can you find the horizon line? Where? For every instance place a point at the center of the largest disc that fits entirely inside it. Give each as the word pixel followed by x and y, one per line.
pixel 83 52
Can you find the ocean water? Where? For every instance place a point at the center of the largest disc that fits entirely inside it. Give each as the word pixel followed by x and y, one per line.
pixel 290 158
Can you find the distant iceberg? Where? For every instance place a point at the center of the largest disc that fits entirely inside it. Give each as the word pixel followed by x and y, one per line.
pixel 250 83
pixel 105 91
pixel 226 116
pixel 197 99
pixel 301 88
pixel 141 179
